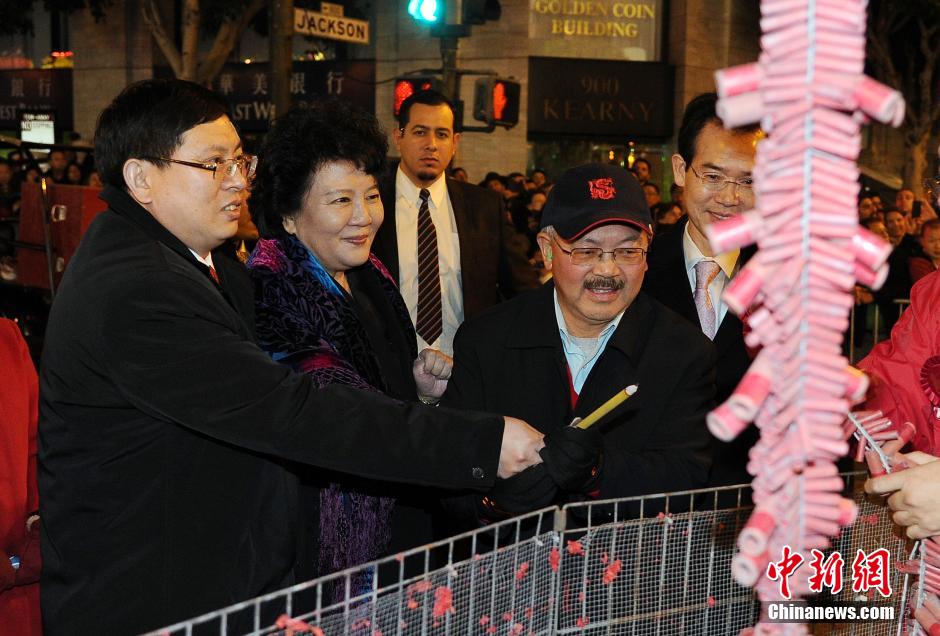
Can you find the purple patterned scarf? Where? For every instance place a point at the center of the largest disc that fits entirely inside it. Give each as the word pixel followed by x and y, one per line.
pixel 305 320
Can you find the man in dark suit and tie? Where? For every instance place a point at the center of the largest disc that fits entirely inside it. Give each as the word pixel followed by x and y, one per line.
pixel 713 166
pixel 446 242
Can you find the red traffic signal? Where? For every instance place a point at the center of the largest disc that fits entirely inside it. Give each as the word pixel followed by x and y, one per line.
pixel 407 86
pixel 496 101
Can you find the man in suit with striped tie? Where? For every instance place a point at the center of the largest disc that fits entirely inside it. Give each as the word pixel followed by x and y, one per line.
pixel 713 166
pixel 448 244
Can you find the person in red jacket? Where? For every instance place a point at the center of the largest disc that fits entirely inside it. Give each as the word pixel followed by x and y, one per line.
pixel 20 562
pixel 905 370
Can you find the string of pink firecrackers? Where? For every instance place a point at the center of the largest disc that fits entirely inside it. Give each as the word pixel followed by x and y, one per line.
pixel 810 95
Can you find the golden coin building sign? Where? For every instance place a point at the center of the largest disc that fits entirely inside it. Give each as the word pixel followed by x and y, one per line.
pixel 330 26
pixel 600 29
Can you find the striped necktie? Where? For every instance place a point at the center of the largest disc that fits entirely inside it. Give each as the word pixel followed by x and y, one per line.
pixel 429 324
pixel 705 273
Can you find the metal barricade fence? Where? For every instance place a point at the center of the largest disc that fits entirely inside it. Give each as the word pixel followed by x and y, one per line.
pixel 902 304
pixel 650 565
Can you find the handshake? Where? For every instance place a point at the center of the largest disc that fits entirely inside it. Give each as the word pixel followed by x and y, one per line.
pixel 570 462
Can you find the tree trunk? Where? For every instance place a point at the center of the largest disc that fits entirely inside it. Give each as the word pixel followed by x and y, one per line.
pixel 190 28
pixel 915 168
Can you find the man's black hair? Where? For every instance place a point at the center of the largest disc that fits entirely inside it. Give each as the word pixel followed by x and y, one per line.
pixel 932 224
pixel 299 144
pixel 650 184
pixel 427 98
pixel 699 113
pixel 147 120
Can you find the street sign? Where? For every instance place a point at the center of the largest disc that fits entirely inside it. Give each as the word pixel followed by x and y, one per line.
pixel 331 27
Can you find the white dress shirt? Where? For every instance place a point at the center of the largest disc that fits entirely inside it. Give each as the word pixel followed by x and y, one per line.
pixel 727 261
pixel 207 261
pixel 581 359
pixel 407 202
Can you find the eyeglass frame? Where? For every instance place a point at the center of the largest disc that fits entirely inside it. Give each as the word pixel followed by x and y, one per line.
pixel 724 184
pixel 213 166
pixel 600 254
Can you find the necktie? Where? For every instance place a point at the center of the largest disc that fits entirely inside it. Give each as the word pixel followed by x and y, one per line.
pixel 705 273
pixel 215 275
pixel 429 322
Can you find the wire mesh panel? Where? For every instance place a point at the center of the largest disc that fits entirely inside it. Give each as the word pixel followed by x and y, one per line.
pixel 652 565
pixel 656 565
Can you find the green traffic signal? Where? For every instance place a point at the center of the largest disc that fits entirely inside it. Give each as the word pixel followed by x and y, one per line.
pixel 429 11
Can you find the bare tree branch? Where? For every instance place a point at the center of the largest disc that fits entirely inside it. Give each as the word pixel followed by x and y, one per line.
pixel 151 17
pixel 225 40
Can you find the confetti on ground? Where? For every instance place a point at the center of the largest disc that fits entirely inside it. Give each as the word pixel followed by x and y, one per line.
pixel 419 587
pixel 522 571
pixel 711 601
pixel 516 629
pixel 484 620
pixel 528 612
pixel 507 617
pixel 443 601
pixel 582 622
pixel 575 547
pixel 554 558
pixel 604 558
pixel 361 624
pixel 611 572
pixel 400 557
pixel 292 625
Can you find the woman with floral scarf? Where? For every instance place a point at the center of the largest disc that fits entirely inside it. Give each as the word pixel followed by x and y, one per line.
pixel 327 307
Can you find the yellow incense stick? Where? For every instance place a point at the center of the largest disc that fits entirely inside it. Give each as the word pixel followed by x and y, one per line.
pixel 606 407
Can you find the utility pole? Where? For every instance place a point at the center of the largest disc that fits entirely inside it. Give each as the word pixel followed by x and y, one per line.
pixel 282 33
pixel 449 76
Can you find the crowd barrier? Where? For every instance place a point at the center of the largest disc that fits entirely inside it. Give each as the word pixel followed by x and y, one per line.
pixel 651 565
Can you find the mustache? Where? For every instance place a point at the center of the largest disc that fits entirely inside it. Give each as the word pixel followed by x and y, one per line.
pixel 604 283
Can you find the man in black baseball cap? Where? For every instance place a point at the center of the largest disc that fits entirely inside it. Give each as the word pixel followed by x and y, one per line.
pixel 563 350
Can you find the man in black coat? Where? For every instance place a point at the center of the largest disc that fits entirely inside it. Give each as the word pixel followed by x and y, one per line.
pixel 713 165
pixel 164 429
pixel 563 350
pixel 481 259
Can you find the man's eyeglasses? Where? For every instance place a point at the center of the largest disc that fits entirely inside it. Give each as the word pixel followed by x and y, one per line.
pixel 716 182
pixel 591 255
pixel 226 168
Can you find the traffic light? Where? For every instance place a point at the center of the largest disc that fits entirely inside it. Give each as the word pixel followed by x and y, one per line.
pixel 479 11
pixel 408 85
pixel 427 11
pixel 496 101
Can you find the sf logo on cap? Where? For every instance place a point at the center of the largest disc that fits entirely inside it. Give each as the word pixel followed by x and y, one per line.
pixel 602 188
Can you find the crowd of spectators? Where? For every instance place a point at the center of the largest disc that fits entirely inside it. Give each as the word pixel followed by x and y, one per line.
pixel 912 228
pixel 72 167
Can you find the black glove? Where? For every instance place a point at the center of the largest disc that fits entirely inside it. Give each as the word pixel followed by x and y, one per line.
pixel 529 490
pixel 572 457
